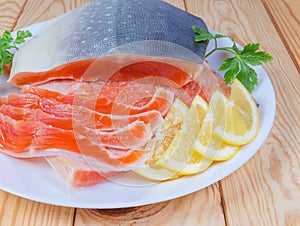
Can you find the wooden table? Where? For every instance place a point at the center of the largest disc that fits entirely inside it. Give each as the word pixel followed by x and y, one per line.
pixel 266 190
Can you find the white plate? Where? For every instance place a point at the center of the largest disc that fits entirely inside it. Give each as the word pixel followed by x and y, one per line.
pixel 34 179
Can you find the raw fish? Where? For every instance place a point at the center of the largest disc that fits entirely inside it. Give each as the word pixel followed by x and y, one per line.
pixel 92 68
pixel 26 139
pixel 114 28
pixel 78 173
pixel 160 100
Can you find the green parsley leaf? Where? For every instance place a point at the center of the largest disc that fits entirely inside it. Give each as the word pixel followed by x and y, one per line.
pixel 254 57
pixel 203 35
pixel 7 42
pixel 21 36
pixel 238 65
pixel 247 77
pixel 219 36
pixel 251 48
pixel 232 64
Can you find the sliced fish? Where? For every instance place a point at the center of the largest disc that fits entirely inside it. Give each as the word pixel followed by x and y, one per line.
pixel 127 31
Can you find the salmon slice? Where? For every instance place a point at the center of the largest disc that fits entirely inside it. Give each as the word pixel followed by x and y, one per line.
pixel 109 122
pixel 134 135
pixel 160 101
pixel 78 173
pixel 61 115
pixel 210 81
pixel 66 90
pixel 90 118
pixel 113 69
pixel 28 100
pixel 19 136
pixel 134 78
pixel 103 159
pixel 140 81
pixel 33 139
pixel 154 38
pixel 27 114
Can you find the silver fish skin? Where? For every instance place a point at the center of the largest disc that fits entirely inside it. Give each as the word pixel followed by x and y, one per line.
pixel 106 27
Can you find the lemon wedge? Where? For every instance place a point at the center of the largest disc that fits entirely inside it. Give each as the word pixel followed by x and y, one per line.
pixel 207 143
pixel 179 157
pixel 241 118
pixel 191 139
pixel 156 173
pixel 222 153
pixel 158 145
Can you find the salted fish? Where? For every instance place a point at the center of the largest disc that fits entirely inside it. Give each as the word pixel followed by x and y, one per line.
pixel 121 33
pixel 148 28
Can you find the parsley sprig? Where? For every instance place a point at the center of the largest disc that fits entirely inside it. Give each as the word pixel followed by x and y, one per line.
pixel 238 65
pixel 8 43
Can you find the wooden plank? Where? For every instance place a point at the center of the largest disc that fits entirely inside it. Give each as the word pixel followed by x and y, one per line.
pixel 266 191
pixel 177 3
pixel 195 209
pixel 285 17
pixel 10 11
pixel 37 11
pixel 18 211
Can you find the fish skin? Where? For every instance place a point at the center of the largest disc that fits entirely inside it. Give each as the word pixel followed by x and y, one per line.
pixel 102 27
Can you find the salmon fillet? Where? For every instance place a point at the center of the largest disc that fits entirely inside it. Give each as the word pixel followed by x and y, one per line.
pixel 113 83
pixel 78 173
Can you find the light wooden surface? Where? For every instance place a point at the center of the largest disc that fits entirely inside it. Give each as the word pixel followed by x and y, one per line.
pixel 266 190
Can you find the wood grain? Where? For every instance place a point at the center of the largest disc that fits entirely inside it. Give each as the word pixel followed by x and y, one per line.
pixel 37 11
pixel 18 211
pixel 266 191
pixel 195 209
pixel 285 15
pixel 178 3
pixel 10 11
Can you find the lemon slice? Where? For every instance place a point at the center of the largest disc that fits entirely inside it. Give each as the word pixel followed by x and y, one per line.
pixel 179 157
pixel 158 145
pixel 223 153
pixel 150 169
pixel 197 164
pixel 165 134
pixel 156 173
pixel 208 144
pixel 241 117
pixel 200 105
